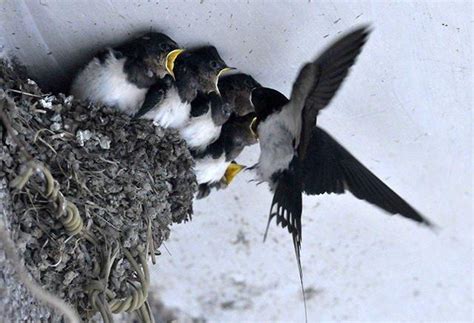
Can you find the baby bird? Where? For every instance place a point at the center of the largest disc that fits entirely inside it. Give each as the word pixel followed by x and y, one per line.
pixel 214 167
pixel 121 76
pixel 236 91
pixel 196 73
pixel 208 113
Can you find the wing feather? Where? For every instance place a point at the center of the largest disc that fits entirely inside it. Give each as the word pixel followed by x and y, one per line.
pixel 328 73
pixel 330 168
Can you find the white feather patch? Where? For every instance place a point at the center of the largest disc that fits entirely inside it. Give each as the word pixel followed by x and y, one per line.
pixel 210 170
pixel 172 111
pixel 278 134
pixel 107 84
pixel 200 131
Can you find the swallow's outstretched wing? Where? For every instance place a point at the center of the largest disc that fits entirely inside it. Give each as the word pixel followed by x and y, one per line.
pixel 319 81
pixel 330 168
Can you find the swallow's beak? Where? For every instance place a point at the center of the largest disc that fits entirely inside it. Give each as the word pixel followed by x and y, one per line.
pixel 253 127
pixel 232 170
pixel 222 71
pixel 170 58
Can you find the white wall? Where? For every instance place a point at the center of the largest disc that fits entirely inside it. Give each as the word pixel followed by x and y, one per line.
pixel 405 111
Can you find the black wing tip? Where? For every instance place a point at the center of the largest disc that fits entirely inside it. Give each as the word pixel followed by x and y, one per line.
pixel 359 35
pixel 415 216
pixel 430 225
pixel 408 212
pixel 363 30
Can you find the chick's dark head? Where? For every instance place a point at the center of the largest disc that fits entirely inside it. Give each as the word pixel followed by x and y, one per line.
pixel 266 101
pixel 236 89
pixel 237 135
pixel 201 66
pixel 220 110
pixel 154 51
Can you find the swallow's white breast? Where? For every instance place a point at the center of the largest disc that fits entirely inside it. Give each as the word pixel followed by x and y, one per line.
pixel 278 137
pixel 209 170
pixel 106 83
pixel 172 111
pixel 200 131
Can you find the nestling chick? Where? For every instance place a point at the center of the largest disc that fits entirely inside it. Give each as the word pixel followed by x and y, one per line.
pixel 208 113
pixel 196 71
pixel 213 166
pixel 121 76
pixel 236 90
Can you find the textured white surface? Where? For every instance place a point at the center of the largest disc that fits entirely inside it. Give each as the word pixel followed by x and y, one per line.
pixel 405 111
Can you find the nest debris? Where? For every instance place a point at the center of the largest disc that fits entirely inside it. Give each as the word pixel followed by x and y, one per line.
pixel 88 196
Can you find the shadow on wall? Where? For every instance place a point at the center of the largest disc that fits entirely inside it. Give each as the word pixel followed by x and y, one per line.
pixel 58 79
pixel 61 80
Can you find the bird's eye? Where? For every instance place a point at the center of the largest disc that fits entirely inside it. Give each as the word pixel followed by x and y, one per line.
pixel 214 64
pixel 226 110
pixel 163 46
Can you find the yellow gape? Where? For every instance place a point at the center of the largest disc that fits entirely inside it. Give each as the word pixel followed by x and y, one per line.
pixel 222 71
pixel 253 127
pixel 232 170
pixel 170 58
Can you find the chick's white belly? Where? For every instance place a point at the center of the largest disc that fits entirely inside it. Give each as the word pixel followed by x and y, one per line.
pixel 201 131
pixel 209 170
pixel 107 84
pixel 172 111
pixel 276 149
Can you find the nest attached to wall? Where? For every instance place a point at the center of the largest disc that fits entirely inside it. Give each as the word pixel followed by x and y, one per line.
pixel 92 195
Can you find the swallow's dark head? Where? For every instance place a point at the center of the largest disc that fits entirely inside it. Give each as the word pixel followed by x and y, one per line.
pixel 161 52
pixel 220 110
pixel 221 113
pixel 202 64
pixel 237 135
pixel 267 101
pixel 236 89
pixel 155 52
pixel 149 58
pixel 211 104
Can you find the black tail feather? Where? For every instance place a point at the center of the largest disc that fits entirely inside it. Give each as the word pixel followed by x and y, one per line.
pixel 287 208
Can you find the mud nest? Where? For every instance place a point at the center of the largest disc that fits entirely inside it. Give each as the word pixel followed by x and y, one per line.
pixel 89 196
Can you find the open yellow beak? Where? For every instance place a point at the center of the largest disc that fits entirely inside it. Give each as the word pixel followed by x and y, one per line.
pixel 225 70
pixel 232 170
pixel 170 58
pixel 222 71
pixel 253 127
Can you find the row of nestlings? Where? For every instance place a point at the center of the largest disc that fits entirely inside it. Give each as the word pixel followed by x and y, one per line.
pixel 150 77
